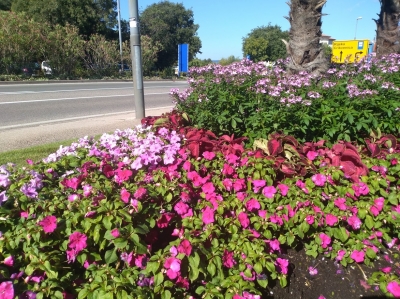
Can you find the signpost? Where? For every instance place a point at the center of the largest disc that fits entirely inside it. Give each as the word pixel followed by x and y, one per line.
pixel 349 51
pixel 183 58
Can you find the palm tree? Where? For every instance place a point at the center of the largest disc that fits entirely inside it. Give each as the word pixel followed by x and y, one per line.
pixel 304 50
pixel 387 32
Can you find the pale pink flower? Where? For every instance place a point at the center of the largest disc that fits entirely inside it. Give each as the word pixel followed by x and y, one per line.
pixel 313 271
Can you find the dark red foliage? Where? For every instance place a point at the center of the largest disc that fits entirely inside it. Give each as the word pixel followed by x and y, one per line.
pixel 381 147
pixel 198 141
pixel 230 145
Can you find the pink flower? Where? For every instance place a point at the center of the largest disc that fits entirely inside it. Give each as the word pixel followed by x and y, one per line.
pixel 321 297
pixel 386 269
pixel 275 245
pixel 341 204
pixel 252 205
pixel 228 259
pixel 340 254
pixel 181 208
pixel 24 214
pixel 164 220
pixel 302 186
pixel 282 265
pixel 173 266
pixel 208 188
pixel 87 190
pixel 125 195
pixel 7 290
pixel 115 233
pixel 284 189
pixel 358 256
pixel 360 189
pixel 257 185
pixel 139 193
pixel 208 215
pixel 185 247
pixel 354 221
pixel 330 219
pixel 49 224
pixel 313 271
pixel 77 241
pixel 311 155
pixel 73 197
pixel 208 155
pixel 227 184
pixel 310 219
pixel 9 261
pixel 262 213
pixel 243 219
pixel 187 165
pixel 239 185
pixel 393 287
pixel 269 191
pixel 319 179
pixel 325 240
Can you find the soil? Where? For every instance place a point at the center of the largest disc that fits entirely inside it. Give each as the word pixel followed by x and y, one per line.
pixel 332 280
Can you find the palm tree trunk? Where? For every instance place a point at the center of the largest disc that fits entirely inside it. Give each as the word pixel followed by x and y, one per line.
pixel 387 32
pixel 304 48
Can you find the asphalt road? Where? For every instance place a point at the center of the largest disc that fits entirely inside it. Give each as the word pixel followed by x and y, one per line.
pixel 34 114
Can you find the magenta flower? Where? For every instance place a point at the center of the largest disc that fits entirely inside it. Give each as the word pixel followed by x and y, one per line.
pixel 185 247
pixel 208 215
pixel 253 205
pixel 77 241
pixel 228 259
pixel 310 219
pixel 354 222
pixel 330 219
pixel 358 256
pixel 386 269
pixel 340 254
pixel 87 190
pixel 239 185
pixel 164 220
pixel 140 192
pixel 257 185
pixel 7 290
pixel 227 184
pixel 243 219
pixel 208 188
pixel 341 204
pixel 181 208
pixel 24 214
pixel 282 265
pixel 115 233
pixel 49 224
pixel 269 191
pixel 284 189
pixel 311 155
pixel 319 179
pixel 173 266
pixel 325 240
pixel 275 245
pixel 393 288
pixel 125 195
pixel 360 189
pixel 9 261
pixel 73 197
pixel 208 155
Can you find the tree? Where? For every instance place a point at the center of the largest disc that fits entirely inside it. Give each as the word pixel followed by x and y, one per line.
pixel 387 32
pixel 304 50
pixel 265 43
pixel 90 16
pixel 5 5
pixel 226 61
pixel 200 62
pixel 170 24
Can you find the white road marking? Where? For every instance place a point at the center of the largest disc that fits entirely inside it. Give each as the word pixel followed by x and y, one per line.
pixel 77 118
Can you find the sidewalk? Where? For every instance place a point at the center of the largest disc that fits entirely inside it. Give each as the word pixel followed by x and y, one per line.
pixel 19 138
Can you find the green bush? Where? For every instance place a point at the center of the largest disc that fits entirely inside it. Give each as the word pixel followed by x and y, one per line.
pixel 252 100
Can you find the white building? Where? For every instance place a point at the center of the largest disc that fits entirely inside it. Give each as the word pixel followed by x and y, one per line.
pixel 326 39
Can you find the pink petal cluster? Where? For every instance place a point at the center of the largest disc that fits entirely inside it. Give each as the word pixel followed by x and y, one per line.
pixel 173 266
pixel 282 265
pixel 325 240
pixel 358 256
pixel 228 259
pixel 393 288
pixel 319 179
pixel 49 224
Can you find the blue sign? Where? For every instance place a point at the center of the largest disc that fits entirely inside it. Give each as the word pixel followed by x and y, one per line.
pixel 183 58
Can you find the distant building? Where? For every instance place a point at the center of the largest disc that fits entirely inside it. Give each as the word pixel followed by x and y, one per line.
pixel 326 39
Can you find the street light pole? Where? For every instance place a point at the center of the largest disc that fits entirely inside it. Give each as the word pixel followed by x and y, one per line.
pixel 136 59
pixel 355 34
pixel 120 36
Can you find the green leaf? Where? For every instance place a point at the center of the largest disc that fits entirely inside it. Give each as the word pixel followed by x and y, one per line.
pixel 120 243
pixel 158 279
pixel 211 268
pixel 263 283
pixel 369 221
pixel 83 293
pixel 107 222
pixel 110 256
pixel 166 294
pixel 258 268
pixel 371 254
pixel 393 199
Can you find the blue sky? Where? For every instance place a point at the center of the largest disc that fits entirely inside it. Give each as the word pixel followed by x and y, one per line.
pixel 223 23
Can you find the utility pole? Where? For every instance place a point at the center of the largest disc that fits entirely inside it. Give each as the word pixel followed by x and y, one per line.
pixel 136 59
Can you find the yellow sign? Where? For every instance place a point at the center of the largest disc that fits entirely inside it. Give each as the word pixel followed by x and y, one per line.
pixel 349 51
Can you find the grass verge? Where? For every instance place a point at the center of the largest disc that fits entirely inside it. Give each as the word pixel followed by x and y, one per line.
pixel 36 153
